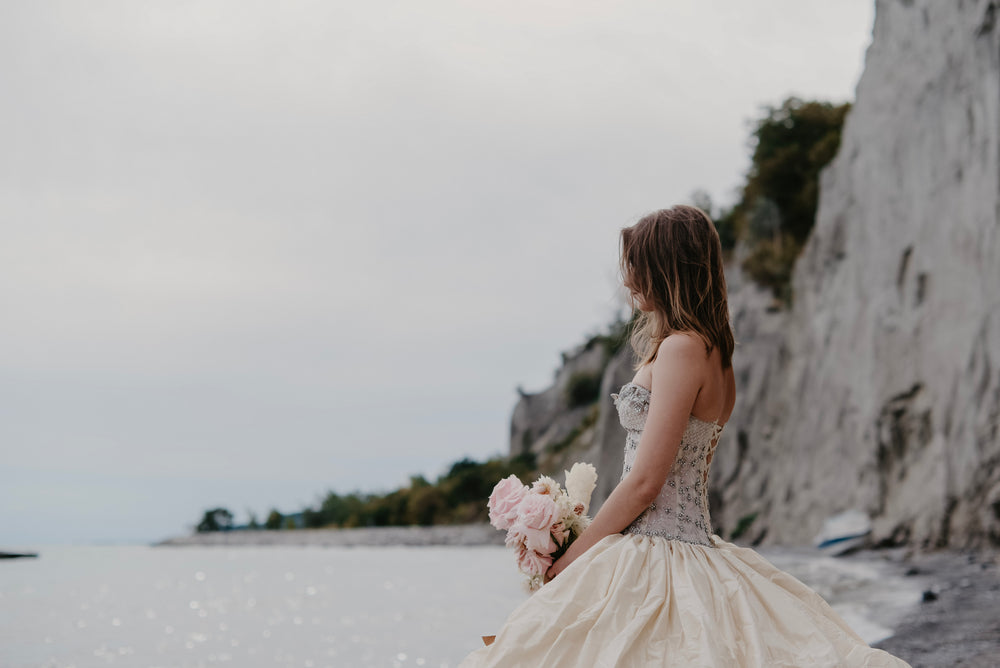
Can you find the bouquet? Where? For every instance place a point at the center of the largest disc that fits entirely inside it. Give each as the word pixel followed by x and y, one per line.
pixel 543 520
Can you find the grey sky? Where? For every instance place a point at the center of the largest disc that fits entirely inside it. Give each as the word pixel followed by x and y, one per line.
pixel 257 250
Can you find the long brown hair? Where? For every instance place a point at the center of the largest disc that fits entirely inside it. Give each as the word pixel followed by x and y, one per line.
pixel 672 259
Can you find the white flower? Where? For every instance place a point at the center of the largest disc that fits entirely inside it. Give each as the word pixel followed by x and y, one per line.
pixel 577 524
pixel 533 583
pixel 580 482
pixel 564 507
pixel 546 485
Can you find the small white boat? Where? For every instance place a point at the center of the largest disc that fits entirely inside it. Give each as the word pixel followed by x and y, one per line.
pixel 844 532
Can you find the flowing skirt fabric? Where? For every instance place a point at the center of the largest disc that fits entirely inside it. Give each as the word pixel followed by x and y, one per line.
pixel 637 601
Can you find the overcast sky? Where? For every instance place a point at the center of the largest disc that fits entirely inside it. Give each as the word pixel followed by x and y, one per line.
pixel 253 251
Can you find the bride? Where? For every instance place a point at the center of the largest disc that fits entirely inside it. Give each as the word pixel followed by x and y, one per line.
pixel 648 584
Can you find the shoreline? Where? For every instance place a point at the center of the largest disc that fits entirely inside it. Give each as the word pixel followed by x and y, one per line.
pixel 464 535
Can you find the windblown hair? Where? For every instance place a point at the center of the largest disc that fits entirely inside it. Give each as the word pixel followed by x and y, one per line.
pixel 673 259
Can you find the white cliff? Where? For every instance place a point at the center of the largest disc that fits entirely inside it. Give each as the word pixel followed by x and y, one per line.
pixel 880 390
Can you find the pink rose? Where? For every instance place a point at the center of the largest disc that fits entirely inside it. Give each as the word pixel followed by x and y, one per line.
pixel 532 562
pixel 520 536
pixel 537 511
pixel 504 501
pixel 539 540
pixel 559 532
pixel 515 536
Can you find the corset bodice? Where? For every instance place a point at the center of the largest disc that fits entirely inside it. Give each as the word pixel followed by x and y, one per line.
pixel 680 510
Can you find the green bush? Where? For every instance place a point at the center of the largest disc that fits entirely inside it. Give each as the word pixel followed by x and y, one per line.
pixel 614 339
pixel 725 224
pixel 583 388
pixel 771 264
pixel 742 525
pixel 777 207
pixel 793 144
pixel 274 520
pixel 426 506
pixel 312 519
pixel 459 496
pixel 216 519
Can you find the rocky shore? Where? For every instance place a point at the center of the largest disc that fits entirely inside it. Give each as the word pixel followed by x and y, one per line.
pixel 958 621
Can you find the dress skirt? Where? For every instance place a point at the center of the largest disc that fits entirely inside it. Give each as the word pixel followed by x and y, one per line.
pixel 634 601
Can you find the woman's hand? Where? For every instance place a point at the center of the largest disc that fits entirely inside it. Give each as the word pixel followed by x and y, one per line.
pixel 558 567
pixel 579 546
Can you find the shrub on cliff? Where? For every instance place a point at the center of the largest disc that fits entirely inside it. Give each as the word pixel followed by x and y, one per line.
pixel 776 211
pixel 583 388
pixel 793 143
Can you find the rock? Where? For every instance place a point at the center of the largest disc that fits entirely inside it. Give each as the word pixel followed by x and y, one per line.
pixel 546 419
pixel 880 388
pixel 957 626
pixel 559 434
pixel 610 436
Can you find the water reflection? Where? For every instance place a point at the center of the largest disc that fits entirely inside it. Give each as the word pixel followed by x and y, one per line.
pixel 302 607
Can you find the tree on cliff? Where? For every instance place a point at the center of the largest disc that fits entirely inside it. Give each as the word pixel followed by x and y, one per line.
pixel 777 207
pixel 793 143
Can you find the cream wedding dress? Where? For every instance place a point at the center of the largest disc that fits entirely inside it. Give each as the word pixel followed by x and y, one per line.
pixel 666 592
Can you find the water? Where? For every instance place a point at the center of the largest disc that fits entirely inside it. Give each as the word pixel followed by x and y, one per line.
pixel 869 594
pixel 307 607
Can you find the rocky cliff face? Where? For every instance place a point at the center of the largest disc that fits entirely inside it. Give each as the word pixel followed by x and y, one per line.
pixel 560 430
pixel 880 389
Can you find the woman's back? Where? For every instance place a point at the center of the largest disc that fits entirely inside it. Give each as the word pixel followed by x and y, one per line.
pixel 717 393
pixel 680 509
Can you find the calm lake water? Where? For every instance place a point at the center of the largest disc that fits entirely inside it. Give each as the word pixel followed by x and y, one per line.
pixel 173 607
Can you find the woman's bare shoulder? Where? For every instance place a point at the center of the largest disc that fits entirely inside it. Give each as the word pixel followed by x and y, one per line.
pixel 682 344
pixel 680 358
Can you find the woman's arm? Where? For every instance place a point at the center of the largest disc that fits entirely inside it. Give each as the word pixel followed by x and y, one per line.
pixel 677 378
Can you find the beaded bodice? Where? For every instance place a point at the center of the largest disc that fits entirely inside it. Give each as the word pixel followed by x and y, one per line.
pixel 680 510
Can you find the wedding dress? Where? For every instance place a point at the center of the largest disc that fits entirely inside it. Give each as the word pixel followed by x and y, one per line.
pixel 666 592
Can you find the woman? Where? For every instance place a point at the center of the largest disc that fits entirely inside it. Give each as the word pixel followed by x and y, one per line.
pixel 647 584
